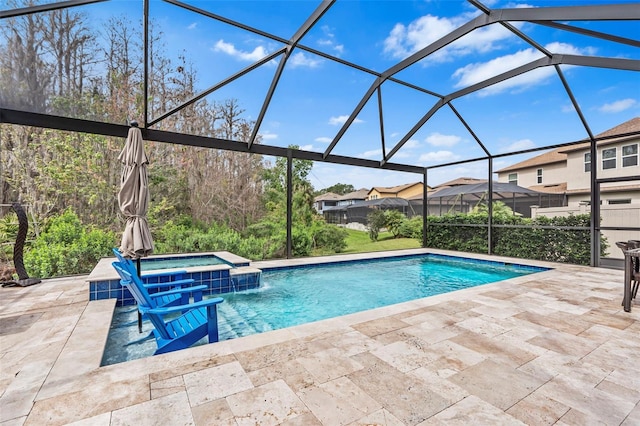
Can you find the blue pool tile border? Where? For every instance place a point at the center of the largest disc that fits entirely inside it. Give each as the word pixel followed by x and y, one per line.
pixel 217 282
pixel 406 256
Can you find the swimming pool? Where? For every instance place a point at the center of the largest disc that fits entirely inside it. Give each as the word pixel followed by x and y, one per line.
pixel 180 262
pixel 297 295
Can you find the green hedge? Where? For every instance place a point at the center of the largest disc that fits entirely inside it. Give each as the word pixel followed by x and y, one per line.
pixel 461 232
pixel 67 247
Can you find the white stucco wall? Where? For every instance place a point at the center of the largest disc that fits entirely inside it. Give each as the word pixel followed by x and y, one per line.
pixel 577 178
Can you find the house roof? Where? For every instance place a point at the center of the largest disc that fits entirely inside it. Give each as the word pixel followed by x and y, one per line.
pixel 559 154
pixel 459 181
pixel 550 157
pixel 394 189
pixel 360 194
pixel 381 202
pixel 556 188
pixel 631 126
pixel 327 196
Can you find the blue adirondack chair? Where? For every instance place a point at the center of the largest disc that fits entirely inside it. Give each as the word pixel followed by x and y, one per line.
pixel 197 320
pixel 158 280
pixel 170 278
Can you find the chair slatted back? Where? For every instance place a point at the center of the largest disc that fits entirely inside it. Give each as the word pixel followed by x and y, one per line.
pixel 127 264
pixel 140 293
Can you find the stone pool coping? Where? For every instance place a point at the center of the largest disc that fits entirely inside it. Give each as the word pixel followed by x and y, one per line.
pixel 542 348
pixel 103 271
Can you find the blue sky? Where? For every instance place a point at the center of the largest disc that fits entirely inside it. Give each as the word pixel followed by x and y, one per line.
pixel 315 95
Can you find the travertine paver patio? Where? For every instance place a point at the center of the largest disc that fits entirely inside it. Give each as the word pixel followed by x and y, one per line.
pixel 549 348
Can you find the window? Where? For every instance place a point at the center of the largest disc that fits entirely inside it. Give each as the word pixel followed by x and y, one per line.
pixel 608 158
pixel 513 178
pixel 539 174
pixel 630 155
pixel 587 162
pixel 620 201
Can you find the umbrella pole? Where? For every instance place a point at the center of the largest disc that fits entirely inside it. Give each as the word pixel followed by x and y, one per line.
pixel 139 314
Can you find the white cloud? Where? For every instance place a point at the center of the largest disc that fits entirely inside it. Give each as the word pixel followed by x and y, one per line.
pixel 402 154
pixel 568 108
pixel 437 156
pixel 438 139
pixel 374 153
pixel 307 147
pixel 481 71
pixel 258 53
pixel 323 139
pixel 476 72
pixel 268 136
pixel 299 59
pixel 341 119
pixel 192 26
pixel 519 145
pixel 406 40
pixel 410 144
pixel 617 106
pixel 329 40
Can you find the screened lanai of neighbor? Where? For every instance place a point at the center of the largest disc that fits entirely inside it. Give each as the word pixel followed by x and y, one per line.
pixel 437 91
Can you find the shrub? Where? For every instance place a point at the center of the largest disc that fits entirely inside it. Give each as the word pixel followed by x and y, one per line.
pixel 411 228
pixel 187 238
pixel 331 237
pixel 393 220
pixel 375 222
pixel 66 247
pixel 301 242
pixel 469 233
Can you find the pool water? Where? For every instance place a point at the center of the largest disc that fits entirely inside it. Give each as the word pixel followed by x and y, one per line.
pixel 180 262
pixel 298 295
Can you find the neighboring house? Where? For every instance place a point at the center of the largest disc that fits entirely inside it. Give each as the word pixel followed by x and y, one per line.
pixel 437 206
pixel 338 213
pixel 353 197
pixel 567 171
pixel 457 182
pixel 405 191
pixel 328 199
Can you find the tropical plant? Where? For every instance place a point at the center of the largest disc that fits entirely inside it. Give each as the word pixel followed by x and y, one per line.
pixel 393 220
pixel 375 222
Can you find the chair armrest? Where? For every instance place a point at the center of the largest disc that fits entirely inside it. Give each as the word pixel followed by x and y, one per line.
pixel 180 308
pixel 168 273
pixel 177 283
pixel 195 288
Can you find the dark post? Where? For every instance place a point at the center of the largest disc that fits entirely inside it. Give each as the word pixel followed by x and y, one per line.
pixel 145 89
pixel 595 206
pixel 289 200
pixel 425 210
pixel 490 208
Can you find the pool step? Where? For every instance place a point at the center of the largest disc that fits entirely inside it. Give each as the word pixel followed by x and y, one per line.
pixel 234 322
pixel 248 314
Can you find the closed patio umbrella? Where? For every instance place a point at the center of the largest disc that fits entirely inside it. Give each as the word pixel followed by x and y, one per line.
pixel 134 197
pixel 134 200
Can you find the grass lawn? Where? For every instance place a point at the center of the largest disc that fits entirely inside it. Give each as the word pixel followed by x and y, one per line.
pixel 359 242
